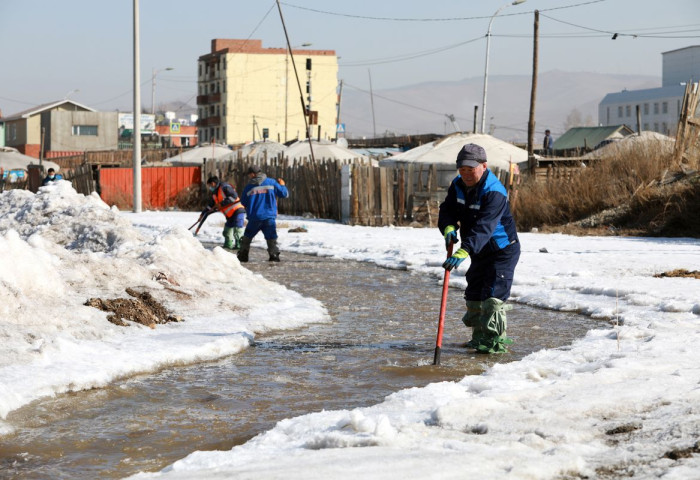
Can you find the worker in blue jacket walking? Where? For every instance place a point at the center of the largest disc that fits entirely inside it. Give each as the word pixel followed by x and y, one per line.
pixel 477 207
pixel 259 198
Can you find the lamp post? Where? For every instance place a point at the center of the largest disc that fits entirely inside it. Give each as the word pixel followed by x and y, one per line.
pixel 486 69
pixel 153 88
pixel 286 86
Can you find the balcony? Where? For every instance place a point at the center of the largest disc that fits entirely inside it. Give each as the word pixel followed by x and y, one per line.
pixel 209 121
pixel 208 99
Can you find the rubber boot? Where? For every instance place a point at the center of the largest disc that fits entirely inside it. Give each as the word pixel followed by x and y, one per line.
pixel 273 250
pixel 493 324
pixel 245 249
pixel 237 234
pixel 228 238
pixel 471 320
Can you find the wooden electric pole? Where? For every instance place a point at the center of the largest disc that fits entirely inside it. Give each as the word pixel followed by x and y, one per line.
pixel 533 97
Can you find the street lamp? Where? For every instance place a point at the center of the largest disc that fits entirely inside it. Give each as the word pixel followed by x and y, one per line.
pixel 153 88
pixel 286 85
pixel 486 70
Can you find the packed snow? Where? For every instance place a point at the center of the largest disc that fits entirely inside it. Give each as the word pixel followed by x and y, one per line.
pixel 624 401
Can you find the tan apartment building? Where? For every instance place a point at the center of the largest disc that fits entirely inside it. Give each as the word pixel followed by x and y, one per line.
pixel 247 92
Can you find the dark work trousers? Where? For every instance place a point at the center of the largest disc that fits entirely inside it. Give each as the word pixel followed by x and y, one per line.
pixel 491 274
pixel 268 227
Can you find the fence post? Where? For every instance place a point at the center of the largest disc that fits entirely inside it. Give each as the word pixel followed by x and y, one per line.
pixel 345 192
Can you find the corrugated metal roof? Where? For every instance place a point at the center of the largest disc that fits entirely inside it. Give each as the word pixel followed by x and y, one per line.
pixel 40 108
pixel 580 137
pixel 630 96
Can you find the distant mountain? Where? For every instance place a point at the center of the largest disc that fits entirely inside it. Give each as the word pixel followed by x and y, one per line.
pixel 423 108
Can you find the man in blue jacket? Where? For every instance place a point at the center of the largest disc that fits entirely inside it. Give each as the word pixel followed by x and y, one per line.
pixel 51 176
pixel 259 198
pixel 477 206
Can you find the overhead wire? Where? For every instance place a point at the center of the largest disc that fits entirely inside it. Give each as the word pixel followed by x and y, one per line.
pixel 445 19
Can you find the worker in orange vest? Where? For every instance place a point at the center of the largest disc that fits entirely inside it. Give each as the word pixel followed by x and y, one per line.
pixel 225 199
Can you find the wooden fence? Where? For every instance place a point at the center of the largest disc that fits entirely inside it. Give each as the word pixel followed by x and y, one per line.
pixel 354 192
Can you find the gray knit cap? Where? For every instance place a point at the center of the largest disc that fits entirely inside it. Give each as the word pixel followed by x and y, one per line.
pixel 471 155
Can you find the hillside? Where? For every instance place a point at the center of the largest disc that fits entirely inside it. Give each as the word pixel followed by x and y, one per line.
pixel 422 108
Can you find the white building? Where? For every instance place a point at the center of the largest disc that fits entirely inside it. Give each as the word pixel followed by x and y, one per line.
pixel 659 108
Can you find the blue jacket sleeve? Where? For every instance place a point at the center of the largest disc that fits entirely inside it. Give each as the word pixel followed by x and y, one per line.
pixel 281 190
pixel 448 212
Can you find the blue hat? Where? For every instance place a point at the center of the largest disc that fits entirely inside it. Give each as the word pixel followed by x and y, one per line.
pixel 471 155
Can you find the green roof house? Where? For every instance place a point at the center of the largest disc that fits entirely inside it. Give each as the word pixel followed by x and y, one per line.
pixel 579 140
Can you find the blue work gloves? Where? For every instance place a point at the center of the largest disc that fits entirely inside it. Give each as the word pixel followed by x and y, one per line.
pixel 450 235
pixel 454 261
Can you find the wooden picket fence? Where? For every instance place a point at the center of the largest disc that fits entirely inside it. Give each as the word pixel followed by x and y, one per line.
pixel 373 196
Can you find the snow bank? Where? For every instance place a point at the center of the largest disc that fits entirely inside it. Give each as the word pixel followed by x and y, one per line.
pixel 59 249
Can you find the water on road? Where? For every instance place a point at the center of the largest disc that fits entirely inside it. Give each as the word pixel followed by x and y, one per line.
pixel 381 339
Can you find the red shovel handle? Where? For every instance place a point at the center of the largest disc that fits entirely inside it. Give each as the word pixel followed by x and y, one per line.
pixel 443 306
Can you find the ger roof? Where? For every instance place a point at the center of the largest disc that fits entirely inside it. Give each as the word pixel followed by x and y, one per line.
pixel 41 108
pixel 627 96
pixel 579 137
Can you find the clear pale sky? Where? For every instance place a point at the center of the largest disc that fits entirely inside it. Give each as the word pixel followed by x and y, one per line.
pixel 51 48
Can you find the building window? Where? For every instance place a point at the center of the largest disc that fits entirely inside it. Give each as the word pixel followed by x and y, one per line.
pixel 619 111
pixel 656 127
pixel 664 128
pixel 664 107
pixel 628 111
pixel 646 109
pixel 223 133
pixel 85 130
pixel 656 109
pixel 12 132
pixel 200 69
pixel 223 89
pixel 646 126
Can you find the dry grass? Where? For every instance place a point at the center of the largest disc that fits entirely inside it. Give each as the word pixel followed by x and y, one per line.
pixel 624 176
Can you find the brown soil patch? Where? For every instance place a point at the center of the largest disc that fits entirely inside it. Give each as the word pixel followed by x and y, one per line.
pixel 143 309
pixel 681 272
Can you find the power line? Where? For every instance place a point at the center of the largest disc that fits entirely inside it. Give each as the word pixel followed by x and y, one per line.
pixel 449 19
pixel 611 32
pixel 408 56
pixel 440 114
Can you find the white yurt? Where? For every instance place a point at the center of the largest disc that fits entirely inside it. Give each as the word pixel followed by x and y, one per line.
pixel 261 150
pixel 203 151
pixel 323 149
pixel 499 153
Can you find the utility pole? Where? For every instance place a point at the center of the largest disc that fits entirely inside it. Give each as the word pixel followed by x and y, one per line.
pixel 476 111
pixel 136 137
pixel 371 99
pixel 533 95
pixel 337 118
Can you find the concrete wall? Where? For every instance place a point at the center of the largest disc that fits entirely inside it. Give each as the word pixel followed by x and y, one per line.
pixel 681 66
pixel 61 138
